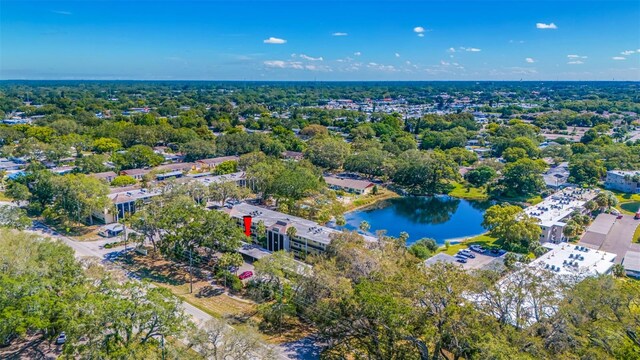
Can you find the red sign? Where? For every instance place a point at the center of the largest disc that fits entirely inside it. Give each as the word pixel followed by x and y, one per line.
pixel 247 225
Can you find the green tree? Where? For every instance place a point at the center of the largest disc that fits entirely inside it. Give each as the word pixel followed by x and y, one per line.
pixel 480 176
pixel 106 145
pixel 512 225
pixel 425 172
pixel 123 180
pixel 13 217
pixel 137 156
pixel 327 152
pixel 523 178
pixel 198 149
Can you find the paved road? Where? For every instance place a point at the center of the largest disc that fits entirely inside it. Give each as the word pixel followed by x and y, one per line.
pixel 305 349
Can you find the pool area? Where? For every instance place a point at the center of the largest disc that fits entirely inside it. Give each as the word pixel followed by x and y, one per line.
pixel 439 217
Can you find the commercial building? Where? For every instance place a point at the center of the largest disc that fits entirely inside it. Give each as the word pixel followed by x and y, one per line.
pixel 625 181
pixel 125 201
pixel 308 238
pixel 556 209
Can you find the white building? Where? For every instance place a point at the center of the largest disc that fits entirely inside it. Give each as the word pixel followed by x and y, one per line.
pixel 625 181
pixel 556 209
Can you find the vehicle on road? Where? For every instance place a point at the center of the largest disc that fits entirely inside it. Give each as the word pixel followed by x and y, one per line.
pixel 245 275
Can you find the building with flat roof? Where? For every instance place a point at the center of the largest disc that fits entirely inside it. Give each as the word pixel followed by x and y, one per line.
pixel 631 263
pixel 310 238
pixel 555 209
pixel 625 181
pixel 569 260
pixel 557 177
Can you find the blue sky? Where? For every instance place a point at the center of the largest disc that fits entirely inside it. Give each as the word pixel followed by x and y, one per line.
pixel 323 40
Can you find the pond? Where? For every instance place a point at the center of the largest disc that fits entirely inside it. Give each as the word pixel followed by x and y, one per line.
pixel 631 206
pixel 439 217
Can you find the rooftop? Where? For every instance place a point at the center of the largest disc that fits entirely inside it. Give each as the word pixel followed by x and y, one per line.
pixel 631 261
pixel 574 260
pixel 304 228
pixel 348 183
pixel 560 205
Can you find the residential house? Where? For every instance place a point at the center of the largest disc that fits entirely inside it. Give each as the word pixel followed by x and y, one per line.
pixel 107 176
pixel 350 185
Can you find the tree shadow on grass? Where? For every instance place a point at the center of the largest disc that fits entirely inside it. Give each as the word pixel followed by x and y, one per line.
pixel 209 291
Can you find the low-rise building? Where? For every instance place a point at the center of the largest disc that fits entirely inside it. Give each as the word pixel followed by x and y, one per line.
pixel 125 201
pixel 625 181
pixel 308 238
pixel 292 155
pixel 557 177
pixel 107 176
pixel 210 164
pixel 135 173
pixel 631 263
pixel 556 209
pixel 350 185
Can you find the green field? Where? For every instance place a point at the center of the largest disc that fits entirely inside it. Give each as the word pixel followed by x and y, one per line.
pixel 484 240
pixel 468 192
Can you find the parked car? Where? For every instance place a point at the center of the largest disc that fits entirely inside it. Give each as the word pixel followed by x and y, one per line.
pixel 619 216
pixel 61 339
pixel 245 275
pixel 461 260
pixel 477 248
pixel 468 254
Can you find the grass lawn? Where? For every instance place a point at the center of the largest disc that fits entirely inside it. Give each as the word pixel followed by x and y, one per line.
pixel 626 199
pixel 636 235
pixel 208 298
pixel 484 240
pixel 362 201
pixel 472 193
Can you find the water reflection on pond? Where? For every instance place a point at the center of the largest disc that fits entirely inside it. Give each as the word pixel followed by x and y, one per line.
pixel 438 217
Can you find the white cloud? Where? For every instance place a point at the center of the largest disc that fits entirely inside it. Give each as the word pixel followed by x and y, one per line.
pixel 306 57
pixel 381 67
pixel 297 65
pixel 397 55
pixel 451 50
pixel 544 26
pixel 628 52
pixel 357 53
pixel 276 63
pixel 274 40
pixel 619 58
pixel 444 63
pixel 516 41
pixel 575 62
pixel 470 49
pixel 339 34
pixel 573 56
pixel 529 60
pixel 421 35
pixel 418 29
pixel 61 12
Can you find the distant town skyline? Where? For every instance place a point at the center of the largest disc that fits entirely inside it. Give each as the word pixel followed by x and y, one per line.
pixel 320 40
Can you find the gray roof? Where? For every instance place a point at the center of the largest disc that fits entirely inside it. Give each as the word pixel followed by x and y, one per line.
pixel 631 261
pixel 304 228
pixel 348 183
